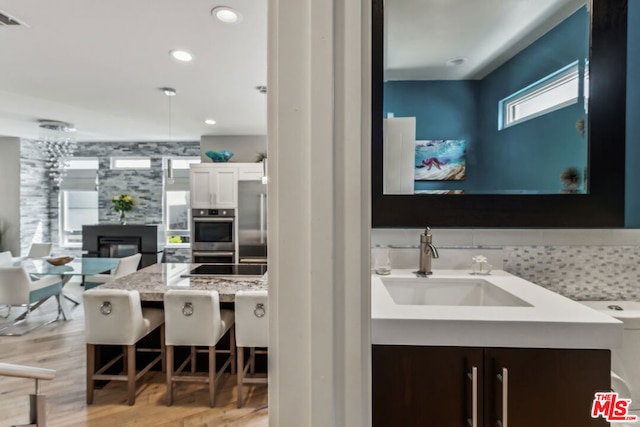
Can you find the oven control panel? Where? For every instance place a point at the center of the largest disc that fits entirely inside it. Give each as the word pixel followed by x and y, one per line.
pixel 213 212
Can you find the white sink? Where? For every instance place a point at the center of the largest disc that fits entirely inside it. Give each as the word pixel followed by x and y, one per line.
pixel 470 291
pixel 455 308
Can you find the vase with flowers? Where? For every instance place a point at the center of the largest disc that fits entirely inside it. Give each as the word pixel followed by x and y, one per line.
pixel 121 204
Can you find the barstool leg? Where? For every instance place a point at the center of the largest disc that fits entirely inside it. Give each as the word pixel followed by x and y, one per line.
pixel 240 367
pixel 232 348
pixel 91 367
pixel 163 349
pixel 131 373
pixel 252 360
pixel 212 376
pixel 169 350
pixel 193 359
pixel 125 359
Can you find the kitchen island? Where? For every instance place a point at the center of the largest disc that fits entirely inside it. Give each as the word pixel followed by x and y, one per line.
pixel 153 281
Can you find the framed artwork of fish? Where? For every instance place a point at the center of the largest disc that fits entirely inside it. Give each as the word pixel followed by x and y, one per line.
pixel 440 160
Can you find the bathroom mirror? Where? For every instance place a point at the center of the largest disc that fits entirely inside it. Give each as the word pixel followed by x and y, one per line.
pixel 504 168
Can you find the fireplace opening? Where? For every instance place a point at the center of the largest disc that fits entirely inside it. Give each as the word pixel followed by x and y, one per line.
pixel 119 247
pixel 119 240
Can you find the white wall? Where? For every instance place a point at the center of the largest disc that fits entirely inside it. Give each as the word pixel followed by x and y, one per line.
pixel 10 194
pixel 245 148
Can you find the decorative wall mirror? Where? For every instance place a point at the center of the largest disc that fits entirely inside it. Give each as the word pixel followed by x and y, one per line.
pixel 482 122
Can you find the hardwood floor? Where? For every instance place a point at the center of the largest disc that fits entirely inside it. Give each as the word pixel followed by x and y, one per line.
pixel 61 346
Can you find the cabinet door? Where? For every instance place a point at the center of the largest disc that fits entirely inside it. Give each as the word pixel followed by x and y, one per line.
pixel 544 387
pixel 225 188
pixel 426 386
pixel 201 188
pixel 250 172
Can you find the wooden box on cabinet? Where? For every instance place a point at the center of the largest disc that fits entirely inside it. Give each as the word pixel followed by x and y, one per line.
pixel 434 386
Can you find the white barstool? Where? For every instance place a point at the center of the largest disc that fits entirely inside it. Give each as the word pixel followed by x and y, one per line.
pixel 116 317
pixel 252 330
pixel 194 319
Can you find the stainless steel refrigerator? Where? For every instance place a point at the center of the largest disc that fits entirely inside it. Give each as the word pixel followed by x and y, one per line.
pixel 252 222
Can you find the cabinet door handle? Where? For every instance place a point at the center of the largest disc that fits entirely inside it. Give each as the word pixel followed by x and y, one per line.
pixel 504 378
pixel 473 375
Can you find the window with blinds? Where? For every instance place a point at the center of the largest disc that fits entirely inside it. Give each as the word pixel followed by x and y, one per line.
pixel 78 204
pixel 177 206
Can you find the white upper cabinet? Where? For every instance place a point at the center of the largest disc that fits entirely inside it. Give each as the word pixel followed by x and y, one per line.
pixel 250 171
pixel 214 186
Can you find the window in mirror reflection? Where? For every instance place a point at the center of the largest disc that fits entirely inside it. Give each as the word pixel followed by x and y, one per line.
pixel 426 99
pixel 551 93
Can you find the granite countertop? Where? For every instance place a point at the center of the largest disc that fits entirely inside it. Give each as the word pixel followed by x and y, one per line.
pixel 153 281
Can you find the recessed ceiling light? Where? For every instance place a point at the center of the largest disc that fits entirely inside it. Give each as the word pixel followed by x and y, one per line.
pixel 169 91
pixel 181 55
pixel 210 122
pixel 226 14
pixel 453 62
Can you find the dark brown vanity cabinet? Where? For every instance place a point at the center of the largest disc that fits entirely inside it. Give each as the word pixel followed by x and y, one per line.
pixel 487 387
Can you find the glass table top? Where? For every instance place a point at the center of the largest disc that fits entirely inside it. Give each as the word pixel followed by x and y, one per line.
pixel 77 267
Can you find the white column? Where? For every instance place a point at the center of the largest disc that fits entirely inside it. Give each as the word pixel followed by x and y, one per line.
pixel 319 212
pixel 10 195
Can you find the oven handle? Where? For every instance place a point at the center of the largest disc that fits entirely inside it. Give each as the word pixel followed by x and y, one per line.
pixel 212 253
pixel 224 219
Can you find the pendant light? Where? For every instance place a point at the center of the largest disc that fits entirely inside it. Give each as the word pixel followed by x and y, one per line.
pixel 170 93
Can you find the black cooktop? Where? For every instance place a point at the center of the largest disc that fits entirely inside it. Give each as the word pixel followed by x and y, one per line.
pixel 229 270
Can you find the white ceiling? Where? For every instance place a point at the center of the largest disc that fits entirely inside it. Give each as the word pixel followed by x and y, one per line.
pixel 421 36
pixel 99 64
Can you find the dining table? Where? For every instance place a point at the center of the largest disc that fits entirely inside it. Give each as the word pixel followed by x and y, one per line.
pixel 83 266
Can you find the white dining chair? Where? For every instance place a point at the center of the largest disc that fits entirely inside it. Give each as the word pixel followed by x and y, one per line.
pixel 6 259
pixel 39 250
pixel 194 319
pixel 115 317
pixel 252 330
pixel 18 289
pixel 126 265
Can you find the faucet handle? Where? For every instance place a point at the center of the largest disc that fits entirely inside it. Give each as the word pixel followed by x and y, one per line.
pixel 426 237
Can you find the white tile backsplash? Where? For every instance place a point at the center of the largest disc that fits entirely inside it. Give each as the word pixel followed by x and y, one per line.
pixel 576 237
pixel 457 259
pixel 585 264
pixel 474 237
pixel 506 237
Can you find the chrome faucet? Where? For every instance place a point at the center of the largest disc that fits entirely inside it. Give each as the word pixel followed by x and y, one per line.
pixel 427 252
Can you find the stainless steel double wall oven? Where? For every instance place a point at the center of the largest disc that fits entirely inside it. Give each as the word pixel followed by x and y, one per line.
pixel 213 235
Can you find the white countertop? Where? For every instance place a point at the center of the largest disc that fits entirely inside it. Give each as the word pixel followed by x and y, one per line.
pixel 551 320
